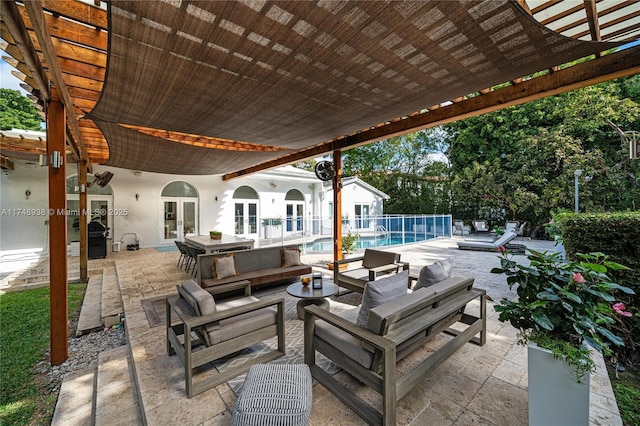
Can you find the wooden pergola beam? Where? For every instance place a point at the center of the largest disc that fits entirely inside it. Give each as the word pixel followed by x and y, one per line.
pixel 609 67
pixel 36 15
pixel 592 19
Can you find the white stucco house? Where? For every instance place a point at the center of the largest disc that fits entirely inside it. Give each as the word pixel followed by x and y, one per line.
pixel 155 209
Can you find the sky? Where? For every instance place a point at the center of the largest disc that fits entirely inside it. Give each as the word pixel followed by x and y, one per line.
pixel 7 80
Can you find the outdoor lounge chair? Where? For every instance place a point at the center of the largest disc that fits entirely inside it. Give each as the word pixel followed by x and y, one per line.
pixel 491 246
pixel 459 226
pixel 480 226
pixel 209 330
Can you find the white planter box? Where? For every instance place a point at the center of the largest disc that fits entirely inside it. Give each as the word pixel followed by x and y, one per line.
pixel 555 396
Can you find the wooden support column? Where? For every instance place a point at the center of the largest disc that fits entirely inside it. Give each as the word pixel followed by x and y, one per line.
pixel 337 205
pixel 82 184
pixel 59 327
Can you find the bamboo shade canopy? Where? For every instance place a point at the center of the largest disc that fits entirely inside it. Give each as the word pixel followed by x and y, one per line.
pixel 236 87
pixel 285 76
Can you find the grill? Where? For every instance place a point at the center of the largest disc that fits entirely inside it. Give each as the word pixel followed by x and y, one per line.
pixel 97 244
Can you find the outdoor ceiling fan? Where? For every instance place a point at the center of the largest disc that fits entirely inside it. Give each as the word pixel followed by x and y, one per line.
pixel 324 170
pixel 101 180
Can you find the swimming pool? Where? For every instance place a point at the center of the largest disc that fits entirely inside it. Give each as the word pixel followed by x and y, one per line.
pixel 391 239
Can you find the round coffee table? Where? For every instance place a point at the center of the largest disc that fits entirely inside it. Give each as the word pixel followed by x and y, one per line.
pixel 311 296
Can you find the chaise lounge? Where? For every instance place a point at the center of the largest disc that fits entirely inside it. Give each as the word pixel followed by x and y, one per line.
pixel 492 246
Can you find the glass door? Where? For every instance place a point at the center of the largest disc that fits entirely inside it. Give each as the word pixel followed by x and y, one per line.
pixel 246 219
pixel 180 219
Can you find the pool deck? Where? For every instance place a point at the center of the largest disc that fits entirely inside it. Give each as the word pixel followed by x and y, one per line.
pixel 477 385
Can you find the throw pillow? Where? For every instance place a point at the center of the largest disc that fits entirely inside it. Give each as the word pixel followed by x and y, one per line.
pixel 224 266
pixel 204 303
pixel 433 274
pixel 381 291
pixel 291 257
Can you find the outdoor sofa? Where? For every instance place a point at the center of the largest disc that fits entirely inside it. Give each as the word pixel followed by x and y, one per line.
pixel 258 266
pixel 368 345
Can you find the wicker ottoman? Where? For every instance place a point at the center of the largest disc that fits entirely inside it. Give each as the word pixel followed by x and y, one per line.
pixel 274 394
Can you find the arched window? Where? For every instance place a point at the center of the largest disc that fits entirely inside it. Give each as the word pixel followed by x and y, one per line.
pixel 294 195
pixel 245 193
pixel 179 189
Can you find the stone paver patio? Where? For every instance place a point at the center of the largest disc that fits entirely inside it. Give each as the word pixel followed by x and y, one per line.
pixel 477 385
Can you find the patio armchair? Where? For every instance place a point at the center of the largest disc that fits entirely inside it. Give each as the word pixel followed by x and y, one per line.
pixel 208 330
pixel 459 226
pixel 375 263
pixel 480 226
pixel 512 225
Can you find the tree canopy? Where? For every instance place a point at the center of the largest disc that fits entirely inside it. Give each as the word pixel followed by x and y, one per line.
pixel 17 111
pixel 515 163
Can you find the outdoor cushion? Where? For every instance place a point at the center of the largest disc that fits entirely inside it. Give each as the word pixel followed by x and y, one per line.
pixel 291 257
pixel 432 274
pixel 349 345
pixel 224 266
pixel 203 300
pixel 242 324
pixel 381 291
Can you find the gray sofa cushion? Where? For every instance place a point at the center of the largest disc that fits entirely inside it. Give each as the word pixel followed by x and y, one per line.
pixel 242 324
pixel 345 342
pixel 204 303
pixel 380 292
pixel 433 274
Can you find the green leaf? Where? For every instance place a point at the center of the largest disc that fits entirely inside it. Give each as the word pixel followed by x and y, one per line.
pixel 612 337
pixel 571 296
pixel 594 266
pixel 547 295
pixel 616 266
pixel 621 288
pixel 567 306
pixel 542 320
pixel 592 342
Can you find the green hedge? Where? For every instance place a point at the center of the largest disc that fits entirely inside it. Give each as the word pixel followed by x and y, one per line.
pixel 618 236
pixel 614 234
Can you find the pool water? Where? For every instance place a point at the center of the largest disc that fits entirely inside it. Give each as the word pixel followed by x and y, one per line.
pixel 394 239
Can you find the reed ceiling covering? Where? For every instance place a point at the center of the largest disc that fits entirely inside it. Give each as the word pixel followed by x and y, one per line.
pixel 208 87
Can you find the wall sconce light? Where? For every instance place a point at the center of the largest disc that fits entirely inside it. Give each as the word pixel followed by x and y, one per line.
pixel 27 193
pixel 137 196
pixel 43 161
pixel 57 160
pixel 138 173
pixel 272 185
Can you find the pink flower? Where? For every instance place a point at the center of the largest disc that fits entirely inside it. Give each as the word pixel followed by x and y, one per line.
pixel 551 222
pixel 502 249
pixel 578 278
pixel 619 308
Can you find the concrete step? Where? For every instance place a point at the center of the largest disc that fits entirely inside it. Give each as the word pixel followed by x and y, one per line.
pixel 75 401
pixel 116 396
pixel 112 305
pixel 91 313
pixel 102 395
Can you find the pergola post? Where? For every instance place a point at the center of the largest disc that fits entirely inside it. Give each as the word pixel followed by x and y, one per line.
pixel 56 151
pixel 337 205
pixel 82 184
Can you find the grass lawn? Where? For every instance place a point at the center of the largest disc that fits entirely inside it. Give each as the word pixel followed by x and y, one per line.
pixel 626 387
pixel 24 342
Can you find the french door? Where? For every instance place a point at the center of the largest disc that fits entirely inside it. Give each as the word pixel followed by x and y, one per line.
pixel 180 218
pixel 246 219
